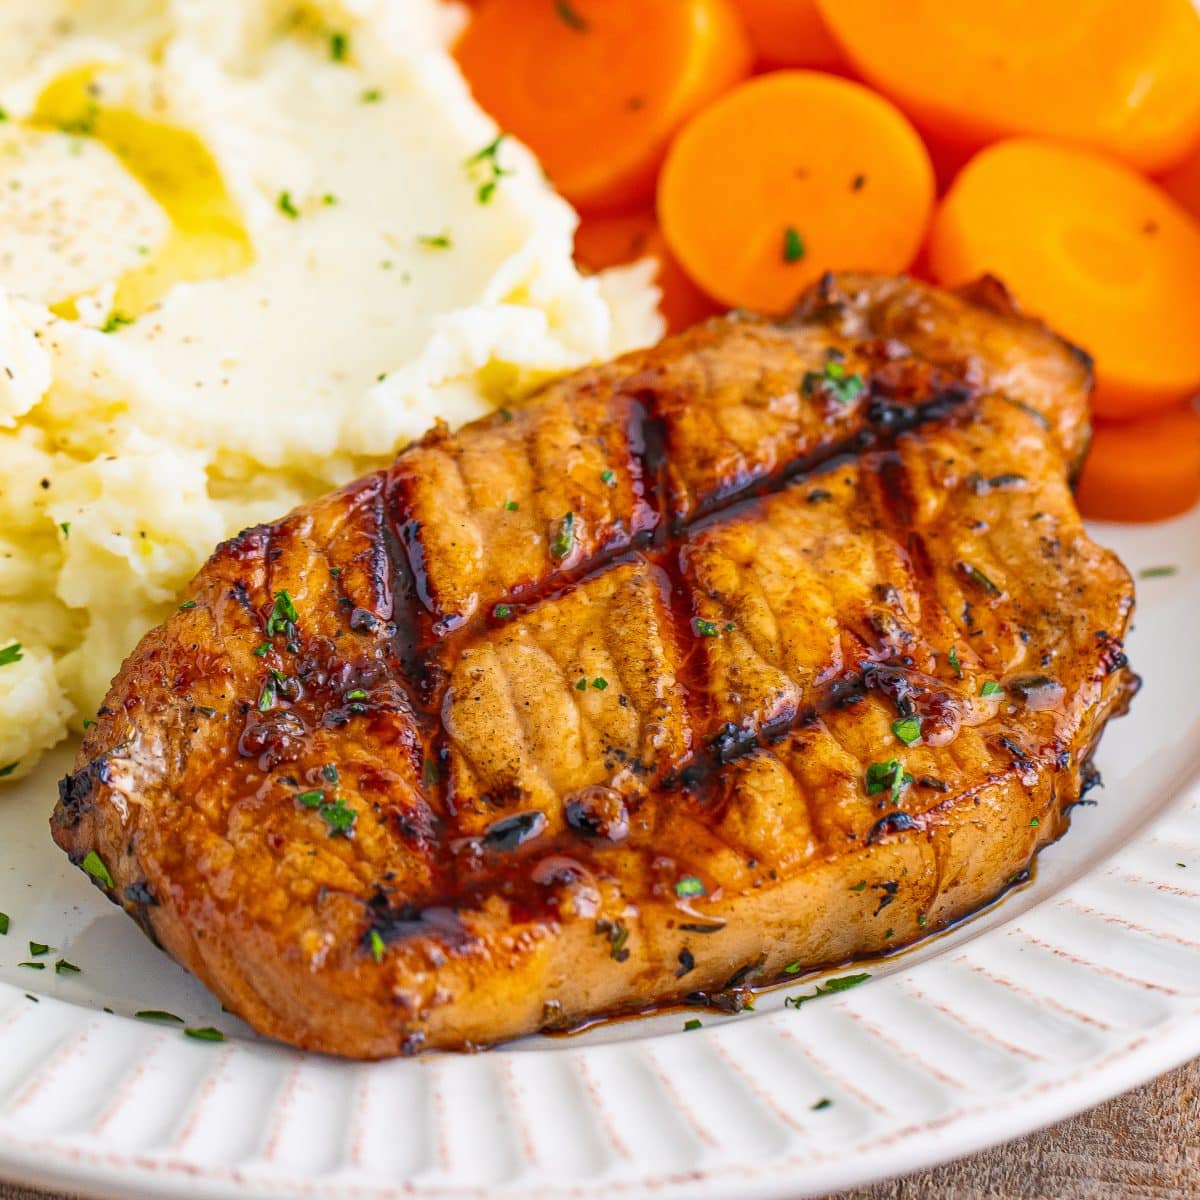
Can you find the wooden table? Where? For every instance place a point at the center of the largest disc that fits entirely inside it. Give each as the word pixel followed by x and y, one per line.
pixel 1141 1146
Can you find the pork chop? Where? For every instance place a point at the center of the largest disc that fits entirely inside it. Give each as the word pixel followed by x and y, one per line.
pixel 774 646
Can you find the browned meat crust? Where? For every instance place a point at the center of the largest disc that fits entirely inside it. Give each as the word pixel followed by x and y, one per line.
pixel 605 702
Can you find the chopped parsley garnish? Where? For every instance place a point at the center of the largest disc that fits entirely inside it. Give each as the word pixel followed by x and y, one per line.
pixel 1034 822
pixel 205 711
pixel 329 200
pixel 842 984
pixel 976 576
pixel 33 966
pixel 793 245
pixel 377 945
pixel 10 654
pixel 952 659
pixel 88 723
pixel 564 539
pixel 690 886
pixel 356 694
pixel 502 612
pixel 8 770
pixel 581 685
pixel 694 1023
pixel 991 688
pixel 888 776
pixel 157 1014
pixel 922 920
pixel 608 478
pixel 567 14
pixel 37 949
pixel 62 967
pixel 908 730
pixel 793 968
pixel 706 629
pixel 114 322
pixel 372 96
pixel 205 1034
pixel 1157 572
pixel 287 206
pixel 268 695
pixel 822 1104
pixel 599 683
pixel 262 650
pixel 617 937
pixel 329 773
pixel 504 415
pixel 337 817
pixel 834 381
pixel 339 46
pixel 283 616
pixel 860 886
pixel 311 799
pixel 511 506
pixel 187 606
pixel 435 241
pixel 66 528
pixel 95 866
pixel 3 924
pixel 487 163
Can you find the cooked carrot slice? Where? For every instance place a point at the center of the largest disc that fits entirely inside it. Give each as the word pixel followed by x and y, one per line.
pixel 1184 182
pixel 609 240
pixel 789 33
pixel 1109 259
pixel 789 175
pixel 1143 470
pixel 596 87
pixel 1098 73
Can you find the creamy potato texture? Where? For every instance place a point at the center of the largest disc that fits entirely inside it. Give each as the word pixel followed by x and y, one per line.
pixel 248 249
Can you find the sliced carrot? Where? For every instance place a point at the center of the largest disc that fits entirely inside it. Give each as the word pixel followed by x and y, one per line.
pixel 1143 470
pixel 610 240
pixel 1184 182
pixel 790 33
pixel 789 175
pixel 1100 73
pixel 1107 258
pixel 596 88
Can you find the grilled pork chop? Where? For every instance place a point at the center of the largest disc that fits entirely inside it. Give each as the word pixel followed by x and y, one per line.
pixel 776 645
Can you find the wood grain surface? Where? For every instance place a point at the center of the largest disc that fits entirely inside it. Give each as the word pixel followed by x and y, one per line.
pixel 1142 1146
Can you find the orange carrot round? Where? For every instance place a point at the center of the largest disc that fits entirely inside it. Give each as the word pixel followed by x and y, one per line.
pixel 1098 73
pixel 789 175
pixel 610 240
pixel 790 33
pixel 1144 470
pixel 1183 182
pixel 597 87
pixel 1107 258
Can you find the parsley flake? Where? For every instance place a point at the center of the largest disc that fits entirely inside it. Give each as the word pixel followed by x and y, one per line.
pixel 694 1023
pixel 793 968
pixel 11 654
pixel 283 616
pixel 329 773
pixel 793 245
pixel 261 650
pixel 599 683
pixel 511 506
pixel 991 688
pixel 38 949
pixel 952 659
pixel 371 96
pixel 9 769
pixel 834 381
pixel 486 162
pixel 1034 822
pixel 822 1104
pixel 157 1014
pixel 287 206
pixel 564 539
pixel 908 730
pixel 377 945
pixel 608 478
pixel 187 606
pixel 62 967
pixel 435 241
pixel 581 685
pixel 976 576
pixel 65 526
pixel 33 966
pixel 860 886
pixel 888 776
pixel 3 924
pixel 706 629
pixel 205 1034
pixel 842 984
pixel 1157 572
pixel 502 612
pixel 114 322
pixel 95 866
pixel 690 886
pixel 339 46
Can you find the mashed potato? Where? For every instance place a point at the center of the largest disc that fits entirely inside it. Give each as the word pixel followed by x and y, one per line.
pixel 248 249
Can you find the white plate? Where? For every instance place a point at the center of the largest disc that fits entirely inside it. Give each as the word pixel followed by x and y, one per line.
pixel 1078 986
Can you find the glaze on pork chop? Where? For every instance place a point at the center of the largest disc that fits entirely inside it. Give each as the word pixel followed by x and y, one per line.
pixel 775 645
